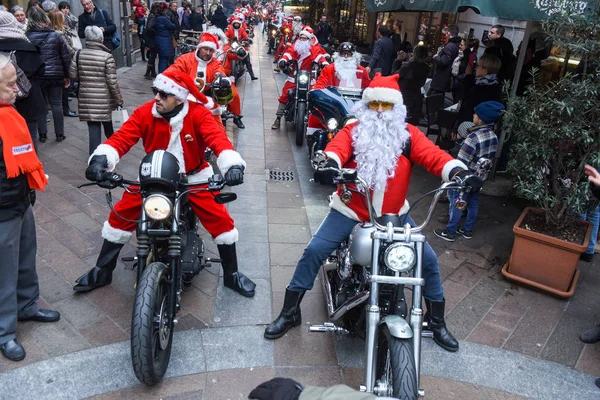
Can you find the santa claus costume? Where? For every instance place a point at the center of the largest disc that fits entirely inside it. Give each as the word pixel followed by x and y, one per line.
pixel 185 132
pixel 238 34
pixel 376 147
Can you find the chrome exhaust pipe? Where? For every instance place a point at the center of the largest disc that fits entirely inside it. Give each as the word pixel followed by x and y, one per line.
pixel 350 304
pixel 334 315
pixel 327 287
pixel 328 327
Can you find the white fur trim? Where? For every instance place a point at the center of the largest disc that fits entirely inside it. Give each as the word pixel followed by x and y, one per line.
pixel 175 146
pixel 216 111
pixel 306 33
pixel 202 175
pixel 450 165
pixel 333 155
pixel 210 103
pixel 112 156
pixel 168 85
pixel 229 158
pixel 378 201
pixel 229 237
pixel 338 205
pixel 382 94
pixel 211 45
pixel 404 208
pixel 115 235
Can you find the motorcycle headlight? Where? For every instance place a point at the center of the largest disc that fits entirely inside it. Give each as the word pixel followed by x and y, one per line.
pixel 303 79
pixel 332 124
pixel 158 207
pixel 234 45
pixel 273 32
pixel 400 257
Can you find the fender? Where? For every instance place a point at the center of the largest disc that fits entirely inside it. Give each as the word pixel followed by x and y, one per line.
pixel 397 326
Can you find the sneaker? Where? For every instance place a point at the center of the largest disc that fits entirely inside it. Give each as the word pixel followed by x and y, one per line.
pixel 464 233
pixel 445 234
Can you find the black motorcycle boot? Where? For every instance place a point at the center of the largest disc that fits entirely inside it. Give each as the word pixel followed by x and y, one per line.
pixel 101 274
pixel 251 72
pixel 232 278
pixel 437 324
pixel 147 75
pixel 289 317
pixel 238 122
pixel 591 335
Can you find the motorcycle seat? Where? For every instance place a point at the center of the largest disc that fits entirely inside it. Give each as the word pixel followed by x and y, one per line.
pixel 396 220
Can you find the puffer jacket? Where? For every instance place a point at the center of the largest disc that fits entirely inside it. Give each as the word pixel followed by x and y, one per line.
pixel 99 92
pixel 54 51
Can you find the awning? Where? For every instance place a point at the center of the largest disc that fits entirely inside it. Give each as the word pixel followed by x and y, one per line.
pixel 525 10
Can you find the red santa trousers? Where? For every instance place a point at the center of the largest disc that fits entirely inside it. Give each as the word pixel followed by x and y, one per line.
pixel 235 106
pixel 283 99
pixel 314 124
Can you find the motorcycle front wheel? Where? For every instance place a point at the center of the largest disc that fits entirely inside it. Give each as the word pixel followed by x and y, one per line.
pixel 396 366
pixel 152 325
pixel 300 114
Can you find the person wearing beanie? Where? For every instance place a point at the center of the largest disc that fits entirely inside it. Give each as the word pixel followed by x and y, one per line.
pixel 185 129
pixel 480 142
pixel 381 147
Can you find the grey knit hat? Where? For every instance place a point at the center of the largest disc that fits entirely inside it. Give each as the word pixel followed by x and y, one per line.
pixel 9 27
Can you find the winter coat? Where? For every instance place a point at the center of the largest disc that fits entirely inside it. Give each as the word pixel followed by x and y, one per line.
pixel 94 18
pixel 219 20
pixel 475 95
pixel 149 32
pixel 504 50
pixel 195 20
pixel 383 55
pixel 54 52
pixel 174 18
pixel 163 36
pixel 30 61
pixel 99 92
pixel 443 65
pixel 323 32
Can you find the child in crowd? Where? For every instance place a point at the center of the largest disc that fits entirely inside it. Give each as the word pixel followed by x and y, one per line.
pixel 481 141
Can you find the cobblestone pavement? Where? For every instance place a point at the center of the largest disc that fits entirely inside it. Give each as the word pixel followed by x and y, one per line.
pixel 515 342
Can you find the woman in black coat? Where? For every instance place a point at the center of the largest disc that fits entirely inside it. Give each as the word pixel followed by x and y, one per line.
pixel 413 75
pixel 219 19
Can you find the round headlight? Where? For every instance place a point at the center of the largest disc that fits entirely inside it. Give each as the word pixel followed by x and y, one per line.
pixel 332 124
pixel 303 79
pixel 158 207
pixel 400 257
pixel 234 45
pixel 350 121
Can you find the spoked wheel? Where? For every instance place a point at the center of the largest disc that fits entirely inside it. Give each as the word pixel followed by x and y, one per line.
pixel 395 371
pixel 152 325
pixel 300 114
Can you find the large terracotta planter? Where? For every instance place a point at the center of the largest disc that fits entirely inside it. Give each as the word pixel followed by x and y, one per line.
pixel 544 262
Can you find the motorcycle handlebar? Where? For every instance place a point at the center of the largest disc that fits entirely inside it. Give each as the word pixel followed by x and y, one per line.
pixel 215 182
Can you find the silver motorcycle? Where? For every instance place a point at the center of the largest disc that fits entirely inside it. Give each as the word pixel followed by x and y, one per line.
pixel 363 284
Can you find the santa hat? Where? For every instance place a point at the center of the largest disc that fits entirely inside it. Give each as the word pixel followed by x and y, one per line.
pixel 383 88
pixel 297 18
pixel 308 32
pixel 209 40
pixel 180 85
pixel 236 21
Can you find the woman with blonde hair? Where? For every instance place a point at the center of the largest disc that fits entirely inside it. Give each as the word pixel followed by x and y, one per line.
pixel 57 23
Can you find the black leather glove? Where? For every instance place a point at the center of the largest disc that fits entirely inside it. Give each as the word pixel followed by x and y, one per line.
pixel 235 175
pixel 98 166
pixel 326 177
pixel 277 389
pixel 466 178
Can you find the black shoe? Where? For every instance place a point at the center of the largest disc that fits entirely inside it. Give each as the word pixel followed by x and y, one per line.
pixel 13 350
pixel 445 234
pixel 70 114
pixel 43 316
pixel 232 278
pixel 437 324
pixel 43 138
pixel 591 335
pixel 101 274
pixel 289 317
pixel 464 233
pixel 587 257
pixel 238 122
pixel 254 78
pixel 60 137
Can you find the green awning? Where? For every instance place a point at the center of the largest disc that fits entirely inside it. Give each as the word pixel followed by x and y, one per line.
pixel 524 10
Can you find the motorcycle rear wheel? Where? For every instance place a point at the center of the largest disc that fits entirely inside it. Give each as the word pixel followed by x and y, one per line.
pixel 300 114
pixel 396 366
pixel 151 325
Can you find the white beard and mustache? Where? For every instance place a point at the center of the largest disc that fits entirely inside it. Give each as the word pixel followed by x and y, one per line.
pixel 302 48
pixel 378 140
pixel 297 27
pixel 345 68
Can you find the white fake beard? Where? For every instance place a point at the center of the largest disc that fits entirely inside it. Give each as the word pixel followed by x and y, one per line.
pixel 345 67
pixel 378 139
pixel 297 27
pixel 302 48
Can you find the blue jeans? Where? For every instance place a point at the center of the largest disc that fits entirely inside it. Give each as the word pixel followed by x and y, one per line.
pixel 472 200
pixel 336 228
pixel 594 218
pixel 163 63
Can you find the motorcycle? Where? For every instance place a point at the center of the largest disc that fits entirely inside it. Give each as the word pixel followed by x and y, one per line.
pixel 363 284
pixel 170 253
pixel 273 34
pixel 296 107
pixel 238 68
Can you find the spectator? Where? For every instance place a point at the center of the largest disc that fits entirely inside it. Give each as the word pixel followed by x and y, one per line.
pixel 33 3
pixel 19 14
pixel 323 32
pixel 94 16
pixel 459 69
pixel 397 36
pixel 383 53
pixel 184 18
pixel 99 92
pixel 55 55
pixel 30 61
pixel 219 19
pixel 389 23
pixel 443 63
pixel 71 23
pixel 49 6
pixel 163 38
pixel 474 45
pixel 413 75
pixel 149 38
pixel 195 20
pixel 202 17
pixel 140 19
pixel 171 13
pixel 502 48
pixel 57 23
pixel 21 174
pixel 481 142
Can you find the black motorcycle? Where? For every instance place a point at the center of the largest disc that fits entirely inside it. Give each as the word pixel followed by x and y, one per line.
pixel 170 253
pixel 238 67
pixel 273 36
pixel 296 107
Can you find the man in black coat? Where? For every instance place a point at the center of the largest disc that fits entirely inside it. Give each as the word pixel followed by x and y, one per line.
pixel 174 18
pixel 383 53
pixel 323 32
pixel 100 18
pixel 443 63
pixel 502 48
pixel 196 20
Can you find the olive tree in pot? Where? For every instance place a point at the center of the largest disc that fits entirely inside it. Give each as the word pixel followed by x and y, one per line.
pixel 556 131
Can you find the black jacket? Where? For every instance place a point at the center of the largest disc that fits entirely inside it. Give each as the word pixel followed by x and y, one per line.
pixel 443 65
pixel 413 75
pixel 504 50
pixel 475 95
pixel 95 19
pixel 54 52
pixel 196 20
pixel 14 192
pixel 174 18
pixel 383 55
pixel 322 32
pixel 30 61
pixel 219 20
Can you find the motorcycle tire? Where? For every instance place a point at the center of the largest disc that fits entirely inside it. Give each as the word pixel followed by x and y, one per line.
pixel 300 123
pixel 151 339
pixel 396 365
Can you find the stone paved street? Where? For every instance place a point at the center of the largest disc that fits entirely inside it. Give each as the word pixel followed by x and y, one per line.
pixel 515 343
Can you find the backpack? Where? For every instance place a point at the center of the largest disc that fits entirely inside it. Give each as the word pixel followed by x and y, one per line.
pixel 23 83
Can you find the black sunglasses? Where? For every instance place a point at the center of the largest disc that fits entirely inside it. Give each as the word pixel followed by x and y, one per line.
pixel 163 95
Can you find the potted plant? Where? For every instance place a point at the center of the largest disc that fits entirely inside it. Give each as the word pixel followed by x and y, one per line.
pixel 556 131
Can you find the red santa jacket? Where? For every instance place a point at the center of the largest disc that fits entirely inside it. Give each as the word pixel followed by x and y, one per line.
pixel 317 54
pixel 392 200
pixel 186 136
pixel 328 77
pixel 231 33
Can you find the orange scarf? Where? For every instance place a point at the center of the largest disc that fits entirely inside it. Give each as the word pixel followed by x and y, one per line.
pixel 19 153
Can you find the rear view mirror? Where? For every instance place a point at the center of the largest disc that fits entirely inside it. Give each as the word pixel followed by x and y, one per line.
pixel 224 198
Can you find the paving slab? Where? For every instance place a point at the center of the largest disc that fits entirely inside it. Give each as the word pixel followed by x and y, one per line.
pixel 236 347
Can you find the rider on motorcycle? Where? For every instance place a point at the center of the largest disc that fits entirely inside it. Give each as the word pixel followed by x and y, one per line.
pixel 234 32
pixel 285 39
pixel 375 147
pixel 185 129
pixel 305 52
pixel 204 67
pixel 344 72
